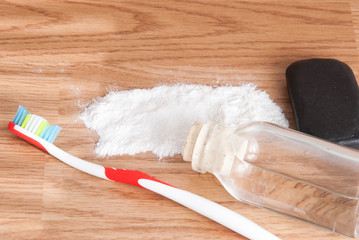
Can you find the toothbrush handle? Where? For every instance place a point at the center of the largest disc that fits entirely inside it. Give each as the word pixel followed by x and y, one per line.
pixel 205 207
pixel 198 204
pixel 128 176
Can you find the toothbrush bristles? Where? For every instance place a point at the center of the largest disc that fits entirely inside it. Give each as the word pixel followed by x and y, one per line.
pixel 36 124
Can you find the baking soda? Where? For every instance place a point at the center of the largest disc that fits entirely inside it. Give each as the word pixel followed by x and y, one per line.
pixel 159 119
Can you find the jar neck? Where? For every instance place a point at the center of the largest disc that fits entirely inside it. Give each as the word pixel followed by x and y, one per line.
pixel 208 146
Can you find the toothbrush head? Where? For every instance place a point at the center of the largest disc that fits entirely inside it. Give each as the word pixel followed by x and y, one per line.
pixel 32 127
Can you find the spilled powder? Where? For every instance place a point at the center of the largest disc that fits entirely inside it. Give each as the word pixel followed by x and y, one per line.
pixel 158 119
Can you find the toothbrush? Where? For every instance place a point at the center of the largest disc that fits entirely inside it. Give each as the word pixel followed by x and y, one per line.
pixel 40 133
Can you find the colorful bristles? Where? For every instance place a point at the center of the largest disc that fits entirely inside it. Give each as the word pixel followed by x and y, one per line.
pixel 36 124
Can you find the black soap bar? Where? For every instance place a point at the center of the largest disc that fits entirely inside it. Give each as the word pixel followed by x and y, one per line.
pixel 324 95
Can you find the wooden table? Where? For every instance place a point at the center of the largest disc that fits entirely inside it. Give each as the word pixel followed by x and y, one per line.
pixel 56 56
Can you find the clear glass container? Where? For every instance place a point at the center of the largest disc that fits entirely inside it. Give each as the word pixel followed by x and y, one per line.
pixel 281 169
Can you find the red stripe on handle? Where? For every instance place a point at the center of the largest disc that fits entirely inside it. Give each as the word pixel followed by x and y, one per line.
pixel 11 127
pixel 128 176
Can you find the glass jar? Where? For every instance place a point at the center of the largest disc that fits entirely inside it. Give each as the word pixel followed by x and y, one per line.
pixel 281 169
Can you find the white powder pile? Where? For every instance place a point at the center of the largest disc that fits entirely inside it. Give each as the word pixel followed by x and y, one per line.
pixel 158 119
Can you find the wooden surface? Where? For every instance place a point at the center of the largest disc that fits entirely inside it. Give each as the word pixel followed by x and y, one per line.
pixel 57 55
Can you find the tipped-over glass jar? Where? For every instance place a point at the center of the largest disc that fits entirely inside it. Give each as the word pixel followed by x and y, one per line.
pixel 281 169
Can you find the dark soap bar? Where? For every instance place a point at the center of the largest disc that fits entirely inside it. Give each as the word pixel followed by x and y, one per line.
pixel 324 95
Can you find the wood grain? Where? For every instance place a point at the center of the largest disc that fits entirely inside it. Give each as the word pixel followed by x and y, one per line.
pixel 57 55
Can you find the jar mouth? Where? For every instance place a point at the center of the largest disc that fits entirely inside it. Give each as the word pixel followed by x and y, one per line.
pixel 195 146
pixel 208 148
pixel 191 141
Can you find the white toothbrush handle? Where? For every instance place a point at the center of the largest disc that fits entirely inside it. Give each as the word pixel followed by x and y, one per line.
pixel 214 211
pixel 198 204
pixel 207 208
